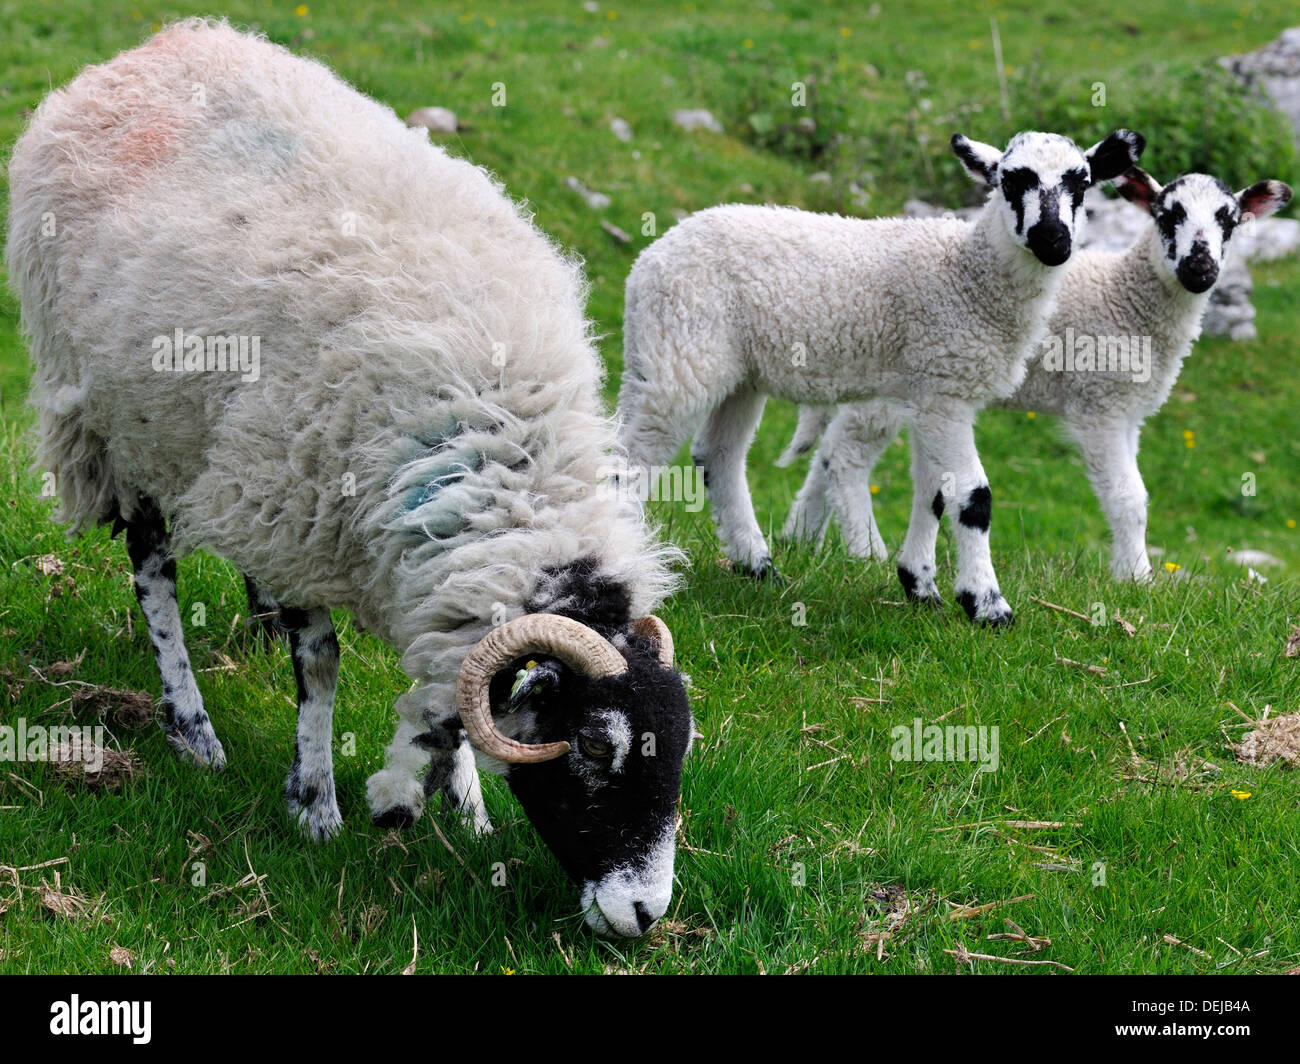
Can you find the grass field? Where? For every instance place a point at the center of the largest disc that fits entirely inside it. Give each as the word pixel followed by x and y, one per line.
pixel 804 846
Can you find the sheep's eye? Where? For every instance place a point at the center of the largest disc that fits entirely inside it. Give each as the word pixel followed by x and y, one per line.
pixel 592 747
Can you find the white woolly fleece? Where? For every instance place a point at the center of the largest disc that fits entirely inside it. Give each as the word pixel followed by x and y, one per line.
pixel 426 434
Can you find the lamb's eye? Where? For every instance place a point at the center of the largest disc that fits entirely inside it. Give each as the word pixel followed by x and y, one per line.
pixel 594 747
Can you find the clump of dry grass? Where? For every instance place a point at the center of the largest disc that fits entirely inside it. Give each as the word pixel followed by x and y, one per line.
pixel 130 709
pixel 79 761
pixel 1272 740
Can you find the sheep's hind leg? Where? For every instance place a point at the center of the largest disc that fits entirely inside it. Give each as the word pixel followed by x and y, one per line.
pixel 187 725
pixel 309 789
pixel 263 612
pixel 719 450
pixel 854 443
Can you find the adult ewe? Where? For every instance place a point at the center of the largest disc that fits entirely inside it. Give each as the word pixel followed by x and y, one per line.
pixel 1123 324
pixel 414 434
pixel 739 302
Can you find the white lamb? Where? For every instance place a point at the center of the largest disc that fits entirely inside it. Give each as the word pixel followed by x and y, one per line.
pixel 265 312
pixel 740 302
pixel 1123 324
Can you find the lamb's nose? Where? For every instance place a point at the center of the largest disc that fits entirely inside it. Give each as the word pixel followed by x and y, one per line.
pixel 1198 271
pixel 1050 242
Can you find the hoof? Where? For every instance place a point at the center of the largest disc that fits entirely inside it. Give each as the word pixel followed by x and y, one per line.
pixel 764 570
pixel 197 742
pixel 989 609
pixel 396 818
pixel 919 589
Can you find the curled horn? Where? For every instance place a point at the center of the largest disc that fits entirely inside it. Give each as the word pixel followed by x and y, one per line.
pixel 578 646
pixel 653 629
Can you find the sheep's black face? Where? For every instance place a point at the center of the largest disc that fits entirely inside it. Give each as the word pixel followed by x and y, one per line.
pixel 1040 181
pixel 607 809
pixel 1196 216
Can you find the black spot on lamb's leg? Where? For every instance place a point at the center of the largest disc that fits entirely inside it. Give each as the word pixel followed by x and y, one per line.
pixel 978 511
pixel 309 789
pixel 990 609
pixel 918 588
pixel 937 506
pixel 186 722
pixel 263 613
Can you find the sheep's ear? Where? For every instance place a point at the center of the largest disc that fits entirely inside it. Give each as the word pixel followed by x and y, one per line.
pixel 1263 198
pixel 1138 187
pixel 980 160
pixel 534 678
pixel 1109 158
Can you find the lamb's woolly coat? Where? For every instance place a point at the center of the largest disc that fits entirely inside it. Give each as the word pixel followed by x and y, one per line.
pixel 1126 295
pixel 820 308
pixel 426 435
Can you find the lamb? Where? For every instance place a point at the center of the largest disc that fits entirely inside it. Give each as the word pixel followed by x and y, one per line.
pixel 1124 322
pixel 420 438
pixel 740 302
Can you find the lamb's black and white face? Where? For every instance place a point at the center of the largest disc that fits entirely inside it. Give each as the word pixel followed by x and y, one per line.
pixel 608 808
pixel 1196 216
pixel 1040 181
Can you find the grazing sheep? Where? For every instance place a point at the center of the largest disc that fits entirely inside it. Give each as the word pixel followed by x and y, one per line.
pixel 1124 322
pixel 740 302
pixel 414 432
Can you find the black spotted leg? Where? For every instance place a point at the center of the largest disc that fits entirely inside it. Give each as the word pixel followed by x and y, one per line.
pixel 310 786
pixel 187 724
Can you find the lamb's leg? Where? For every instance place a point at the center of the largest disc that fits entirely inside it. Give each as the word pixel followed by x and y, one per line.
pixel 1110 455
pixel 719 450
pixel 916 565
pixel 853 445
pixel 263 612
pixel 188 728
pixel 946 436
pixel 309 789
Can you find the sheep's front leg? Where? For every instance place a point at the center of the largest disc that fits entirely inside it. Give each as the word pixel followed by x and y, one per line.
pixel 395 795
pixel 309 789
pixel 719 450
pixel 188 728
pixel 453 772
pixel 1110 455
pixel 854 443
pixel 916 565
pixel 947 439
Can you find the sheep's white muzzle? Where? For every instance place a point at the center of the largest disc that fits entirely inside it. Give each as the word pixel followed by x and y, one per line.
pixel 629 901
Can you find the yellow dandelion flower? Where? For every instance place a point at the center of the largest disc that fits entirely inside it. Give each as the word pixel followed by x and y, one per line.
pixel 1290 522
pixel 1188 434
pixel 507 971
pixel 875 489
pixel 300 10
pixel 1241 796
pixel 1030 414
pixel 845 31
pixel 1172 567
pixel 748 42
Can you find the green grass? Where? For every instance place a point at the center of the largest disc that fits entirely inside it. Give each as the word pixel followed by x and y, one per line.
pixel 799 828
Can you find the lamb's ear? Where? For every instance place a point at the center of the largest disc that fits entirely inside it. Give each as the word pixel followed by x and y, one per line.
pixel 1109 158
pixel 980 160
pixel 1138 187
pixel 1263 198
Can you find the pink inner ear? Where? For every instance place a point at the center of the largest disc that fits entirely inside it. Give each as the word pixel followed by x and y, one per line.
pixel 1260 202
